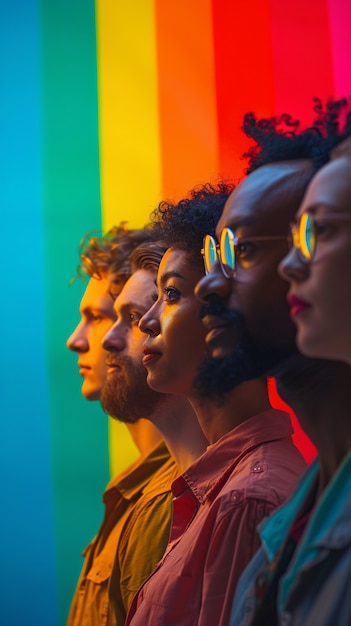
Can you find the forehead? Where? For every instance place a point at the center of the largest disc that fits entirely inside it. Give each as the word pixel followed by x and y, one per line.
pixel 179 261
pixel 330 187
pixel 140 288
pixel 97 290
pixel 173 257
pixel 271 191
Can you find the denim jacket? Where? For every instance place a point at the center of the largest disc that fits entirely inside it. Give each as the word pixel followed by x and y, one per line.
pixel 316 588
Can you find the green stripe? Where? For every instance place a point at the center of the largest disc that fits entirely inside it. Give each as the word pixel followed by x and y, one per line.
pixel 72 208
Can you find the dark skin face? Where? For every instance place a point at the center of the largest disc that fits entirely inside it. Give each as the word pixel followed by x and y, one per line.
pixel 176 335
pixel 262 205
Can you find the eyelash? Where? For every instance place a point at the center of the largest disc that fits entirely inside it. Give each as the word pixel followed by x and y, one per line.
pixel 96 318
pixel 242 248
pixel 135 318
pixel 321 227
pixel 169 292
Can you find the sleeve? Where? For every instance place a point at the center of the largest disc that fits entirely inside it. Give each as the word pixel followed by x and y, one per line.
pixel 142 545
pixel 233 543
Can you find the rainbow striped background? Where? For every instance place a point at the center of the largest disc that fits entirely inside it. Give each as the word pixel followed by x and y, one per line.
pixel 106 108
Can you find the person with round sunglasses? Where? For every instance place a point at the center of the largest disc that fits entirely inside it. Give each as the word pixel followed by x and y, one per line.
pixel 318 265
pixel 301 573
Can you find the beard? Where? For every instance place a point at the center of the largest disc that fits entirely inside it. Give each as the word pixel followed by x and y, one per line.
pixel 126 395
pixel 218 376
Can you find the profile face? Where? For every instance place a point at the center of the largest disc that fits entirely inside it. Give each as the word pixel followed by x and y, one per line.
pixel 97 317
pixel 126 394
pixel 261 206
pixel 176 337
pixel 320 294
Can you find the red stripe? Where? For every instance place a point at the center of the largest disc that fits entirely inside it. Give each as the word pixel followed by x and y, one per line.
pixel 302 55
pixel 244 73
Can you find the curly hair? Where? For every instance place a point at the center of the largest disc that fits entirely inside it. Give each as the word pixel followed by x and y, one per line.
pixel 108 255
pixel 184 224
pixel 282 139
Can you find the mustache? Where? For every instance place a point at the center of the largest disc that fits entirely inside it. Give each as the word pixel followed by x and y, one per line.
pixel 217 309
pixel 115 359
pixel 111 359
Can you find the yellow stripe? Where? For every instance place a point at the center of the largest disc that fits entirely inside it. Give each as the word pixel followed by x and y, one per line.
pixel 128 111
pixel 129 137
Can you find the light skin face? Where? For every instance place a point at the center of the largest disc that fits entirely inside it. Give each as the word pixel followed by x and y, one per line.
pixel 176 342
pixel 263 204
pixel 97 317
pixel 319 290
pixel 126 394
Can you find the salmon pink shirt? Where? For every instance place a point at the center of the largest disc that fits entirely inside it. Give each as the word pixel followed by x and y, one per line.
pixel 219 501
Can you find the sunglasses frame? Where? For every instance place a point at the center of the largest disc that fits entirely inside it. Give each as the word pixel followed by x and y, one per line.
pixel 217 248
pixel 295 232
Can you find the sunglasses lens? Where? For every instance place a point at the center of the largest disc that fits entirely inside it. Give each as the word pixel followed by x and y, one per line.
pixel 307 236
pixel 210 256
pixel 227 251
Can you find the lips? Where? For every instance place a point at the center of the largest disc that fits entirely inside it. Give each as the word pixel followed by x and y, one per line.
pixel 112 365
pixel 83 368
pixel 214 326
pixel 296 305
pixel 150 355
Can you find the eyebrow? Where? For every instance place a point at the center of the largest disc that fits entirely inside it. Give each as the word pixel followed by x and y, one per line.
pixel 127 306
pixel 170 274
pixel 93 309
pixel 113 295
pixel 244 221
pixel 316 207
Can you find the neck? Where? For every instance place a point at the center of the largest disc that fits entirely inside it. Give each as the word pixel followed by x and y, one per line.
pixel 217 418
pixel 145 435
pixel 319 393
pixel 177 422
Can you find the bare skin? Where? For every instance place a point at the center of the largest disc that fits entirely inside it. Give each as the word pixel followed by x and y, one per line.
pixel 97 317
pixel 176 344
pixel 171 414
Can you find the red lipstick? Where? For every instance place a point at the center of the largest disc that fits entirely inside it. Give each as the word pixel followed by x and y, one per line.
pixel 296 305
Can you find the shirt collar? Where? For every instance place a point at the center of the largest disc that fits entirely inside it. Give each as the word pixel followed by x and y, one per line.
pixel 134 478
pixel 207 475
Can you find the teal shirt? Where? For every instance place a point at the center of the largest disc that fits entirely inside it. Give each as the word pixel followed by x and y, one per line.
pixel 324 552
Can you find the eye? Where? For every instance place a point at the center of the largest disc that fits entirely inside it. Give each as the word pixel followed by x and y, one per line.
pixel 171 294
pixel 321 227
pixel 243 249
pixel 96 317
pixel 134 317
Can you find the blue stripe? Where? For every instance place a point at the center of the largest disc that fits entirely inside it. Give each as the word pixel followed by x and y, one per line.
pixel 28 582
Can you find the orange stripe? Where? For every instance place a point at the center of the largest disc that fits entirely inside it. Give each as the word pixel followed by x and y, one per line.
pixel 187 105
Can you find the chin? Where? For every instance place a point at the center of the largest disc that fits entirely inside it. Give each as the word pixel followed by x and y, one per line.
pixel 221 352
pixel 307 345
pixel 153 384
pixel 91 394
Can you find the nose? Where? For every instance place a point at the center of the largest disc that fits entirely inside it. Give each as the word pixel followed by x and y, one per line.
pixel 214 286
pixel 150 323
pixel 78 341
pixel 292 267
pixel 114 338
